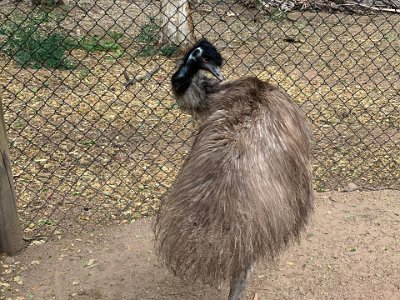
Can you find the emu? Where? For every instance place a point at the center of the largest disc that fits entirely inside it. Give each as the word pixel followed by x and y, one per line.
pixel 244 191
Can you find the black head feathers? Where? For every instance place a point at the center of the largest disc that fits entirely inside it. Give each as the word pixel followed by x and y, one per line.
pixel 201 56
pixel 204 49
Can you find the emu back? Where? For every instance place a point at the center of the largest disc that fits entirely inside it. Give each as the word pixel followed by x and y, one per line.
pixel 244 191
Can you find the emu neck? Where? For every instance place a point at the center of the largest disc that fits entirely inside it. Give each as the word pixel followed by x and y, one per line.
pixel 190 88
pixel 182 79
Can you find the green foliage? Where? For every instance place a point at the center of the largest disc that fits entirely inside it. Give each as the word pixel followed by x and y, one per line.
pixel 391 36
pixel 88 143
pixel 148 33
pixel 38 41
pixel 84 72
pixel 44 52
pixel 148 39
pixel 100 43
pixel 105 43
pixel 45 222
pixel 47 2
pixel 33 42
pixel 31 46
pixel 169 50
pixel 19 124
pixel 277 14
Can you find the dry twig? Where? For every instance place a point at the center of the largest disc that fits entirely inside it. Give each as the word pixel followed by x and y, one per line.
pixel 146 76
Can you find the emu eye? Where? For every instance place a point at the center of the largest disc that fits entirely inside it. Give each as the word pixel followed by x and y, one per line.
pixel 205 59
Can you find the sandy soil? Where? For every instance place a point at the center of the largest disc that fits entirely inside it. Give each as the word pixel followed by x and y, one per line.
pixel 351 250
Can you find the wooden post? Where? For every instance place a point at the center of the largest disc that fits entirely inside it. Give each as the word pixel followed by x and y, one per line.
pixel 11 238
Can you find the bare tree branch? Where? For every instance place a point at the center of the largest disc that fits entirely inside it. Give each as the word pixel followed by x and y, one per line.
pixel 393 10
pixel 349 5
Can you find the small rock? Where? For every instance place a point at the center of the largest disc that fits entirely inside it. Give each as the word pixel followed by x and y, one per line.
pixel 75 282
pixel 350 187
pixel 90 262
pixel 9 260
pixel 37 243
pixel 17 279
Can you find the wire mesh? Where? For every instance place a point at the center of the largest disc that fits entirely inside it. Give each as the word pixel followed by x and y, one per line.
pixel 88 151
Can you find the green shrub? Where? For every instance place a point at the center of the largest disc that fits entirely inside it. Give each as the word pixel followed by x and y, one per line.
pixel 169 50
pixel 33 43
pixel 48 2
pixel 32 47
pixel 101 43
pixel 148 39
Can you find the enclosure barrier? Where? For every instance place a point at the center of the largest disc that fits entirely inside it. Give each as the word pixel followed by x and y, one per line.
pixel 96 137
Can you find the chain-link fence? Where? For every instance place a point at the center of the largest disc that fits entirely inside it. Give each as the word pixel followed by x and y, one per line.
pixel 88 151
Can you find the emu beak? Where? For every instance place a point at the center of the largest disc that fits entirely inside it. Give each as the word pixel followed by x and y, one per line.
pixel 215 70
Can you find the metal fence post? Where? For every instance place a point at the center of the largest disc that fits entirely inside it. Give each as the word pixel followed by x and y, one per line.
pixel 11 239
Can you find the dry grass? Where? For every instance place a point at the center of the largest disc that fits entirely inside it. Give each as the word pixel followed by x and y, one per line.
pixel 86 151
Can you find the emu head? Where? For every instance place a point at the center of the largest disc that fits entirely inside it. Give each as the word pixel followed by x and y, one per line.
pixel 203 55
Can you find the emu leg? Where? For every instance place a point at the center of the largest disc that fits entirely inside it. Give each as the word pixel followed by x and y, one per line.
pixel 238 285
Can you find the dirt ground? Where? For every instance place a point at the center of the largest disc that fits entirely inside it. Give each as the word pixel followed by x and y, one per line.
pixel 351 250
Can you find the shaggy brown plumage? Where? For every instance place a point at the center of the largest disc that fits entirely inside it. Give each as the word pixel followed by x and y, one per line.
pixel 244 191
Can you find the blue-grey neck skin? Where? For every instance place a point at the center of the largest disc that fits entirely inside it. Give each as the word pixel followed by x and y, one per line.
pixel 182 78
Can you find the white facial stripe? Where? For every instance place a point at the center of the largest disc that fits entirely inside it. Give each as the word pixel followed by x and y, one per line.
pixel 197 50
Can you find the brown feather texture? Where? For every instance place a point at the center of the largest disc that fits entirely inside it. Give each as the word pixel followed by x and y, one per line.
pixel 244 191
pixel 196 100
